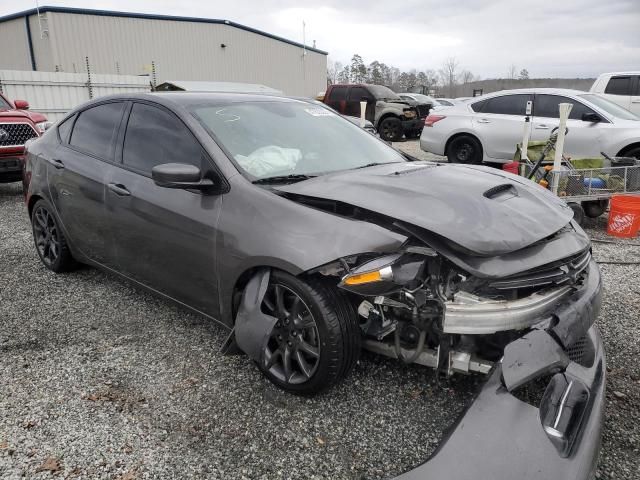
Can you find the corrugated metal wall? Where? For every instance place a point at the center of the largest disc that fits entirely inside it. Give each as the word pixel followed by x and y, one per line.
pixel 182 51
pixel 14 45
pixel 54 94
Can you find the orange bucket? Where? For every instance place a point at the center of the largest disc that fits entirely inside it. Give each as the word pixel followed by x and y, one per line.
pixel 624 216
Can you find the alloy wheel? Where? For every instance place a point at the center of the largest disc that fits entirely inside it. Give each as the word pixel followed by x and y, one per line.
pixel 46 235
pixel 292 354
pixel 464 153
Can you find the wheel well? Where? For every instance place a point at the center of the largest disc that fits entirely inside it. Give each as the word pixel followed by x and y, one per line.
pixel 623 152
pixel 385 116
pixel 32 202
pixel 462 134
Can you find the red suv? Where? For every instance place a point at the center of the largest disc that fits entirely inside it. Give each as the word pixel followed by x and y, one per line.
pixel 17 125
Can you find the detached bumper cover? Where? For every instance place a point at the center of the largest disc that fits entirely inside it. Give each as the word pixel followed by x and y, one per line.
pixel 413 124
pixel 500 437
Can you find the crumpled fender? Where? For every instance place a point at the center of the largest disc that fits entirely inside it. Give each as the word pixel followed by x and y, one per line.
pixel 253 327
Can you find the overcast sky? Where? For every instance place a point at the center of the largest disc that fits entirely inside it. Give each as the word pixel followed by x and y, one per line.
pixel 551 38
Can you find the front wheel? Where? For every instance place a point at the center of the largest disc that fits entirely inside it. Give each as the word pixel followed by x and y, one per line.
pixel 465 149
pixel 316 340
pixel 390 129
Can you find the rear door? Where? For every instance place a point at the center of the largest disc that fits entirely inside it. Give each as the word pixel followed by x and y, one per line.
pixel 584 139
pixel 163 238
pixel 356 95
pixel 77 176
pixel 619 89
pixel 499 124
pixel 337 98
pixel 635 95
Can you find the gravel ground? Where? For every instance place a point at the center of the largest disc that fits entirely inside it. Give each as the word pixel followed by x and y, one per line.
pixel 101 380
pixel 412 147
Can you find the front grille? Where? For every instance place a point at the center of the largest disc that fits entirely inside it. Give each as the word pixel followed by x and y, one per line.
pixel 15 134
pixel 423 110
pixel 557 273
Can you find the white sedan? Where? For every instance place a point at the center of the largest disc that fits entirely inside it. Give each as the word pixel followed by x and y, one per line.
pixel 488 128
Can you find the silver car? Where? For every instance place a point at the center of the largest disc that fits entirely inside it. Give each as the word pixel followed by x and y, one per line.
pixel 488 128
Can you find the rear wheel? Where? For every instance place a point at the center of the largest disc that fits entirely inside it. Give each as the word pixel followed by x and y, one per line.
pixel 633 152
pixel 390 129
pixel 465 149
pixel 50 241
pixel 595 208
pixel 316 340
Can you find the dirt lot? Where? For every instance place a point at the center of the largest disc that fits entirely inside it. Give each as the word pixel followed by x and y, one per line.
pixel 100 380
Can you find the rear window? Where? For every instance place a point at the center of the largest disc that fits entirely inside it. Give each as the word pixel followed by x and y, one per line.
pixel 507 105
pixel 95 129
pixel 478 106
pixel 338 93
pixel 619 86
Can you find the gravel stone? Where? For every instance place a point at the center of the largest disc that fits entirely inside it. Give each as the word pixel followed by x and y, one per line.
pixel 100 380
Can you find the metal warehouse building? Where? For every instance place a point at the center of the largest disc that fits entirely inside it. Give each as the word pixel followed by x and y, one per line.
pixel 163 47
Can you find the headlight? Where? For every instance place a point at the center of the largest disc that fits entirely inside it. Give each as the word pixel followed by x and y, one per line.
pixel 409 114
pixel 43 126
pixel 383 275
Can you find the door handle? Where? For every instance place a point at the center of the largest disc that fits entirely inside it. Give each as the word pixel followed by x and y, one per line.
pixel 542 127
pixel 119 189
pixel 56 162
pixel 484 120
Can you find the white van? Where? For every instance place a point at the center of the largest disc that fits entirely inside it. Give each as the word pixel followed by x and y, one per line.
pixel 622 88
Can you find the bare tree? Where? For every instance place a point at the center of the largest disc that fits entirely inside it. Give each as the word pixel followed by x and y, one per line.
pixel 333 70
pixel 466 77
pixel 512 73
pixel 449 74
pixel 524 74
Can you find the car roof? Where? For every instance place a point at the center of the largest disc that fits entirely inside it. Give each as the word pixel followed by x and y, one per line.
pixel 548 91
pixel 637 72
pixel 194 97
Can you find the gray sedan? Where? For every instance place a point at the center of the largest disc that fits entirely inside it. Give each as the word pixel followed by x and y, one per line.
pixel 310 239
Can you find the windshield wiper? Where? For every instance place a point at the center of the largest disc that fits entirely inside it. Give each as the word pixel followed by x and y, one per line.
pixel 294 177
pixel 373 165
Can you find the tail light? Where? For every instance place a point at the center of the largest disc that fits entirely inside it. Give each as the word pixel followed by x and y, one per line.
pixel 431 119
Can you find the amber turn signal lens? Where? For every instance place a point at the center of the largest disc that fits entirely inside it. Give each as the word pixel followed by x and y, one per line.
pixel 361 278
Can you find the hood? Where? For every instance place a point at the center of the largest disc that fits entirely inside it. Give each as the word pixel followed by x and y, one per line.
pixel 22 115
pixel 484 210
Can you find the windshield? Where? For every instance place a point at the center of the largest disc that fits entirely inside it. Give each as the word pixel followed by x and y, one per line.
pixel 423 98
pixel 609 107
pixel 382 92
pixel 4 105
pixel 279 138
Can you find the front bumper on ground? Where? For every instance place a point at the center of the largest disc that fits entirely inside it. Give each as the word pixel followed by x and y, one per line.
pixel 413 125
pixel 502 437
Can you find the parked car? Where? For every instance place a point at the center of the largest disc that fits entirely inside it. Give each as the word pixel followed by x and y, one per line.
pixel 444 103
pixel 488 128
pixel 17 125
pixel 308 238
pixel 622 88
pixel 391 116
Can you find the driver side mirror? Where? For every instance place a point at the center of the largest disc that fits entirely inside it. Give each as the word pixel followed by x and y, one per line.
pixel 21 104
pixel 591 117
pixel 180 175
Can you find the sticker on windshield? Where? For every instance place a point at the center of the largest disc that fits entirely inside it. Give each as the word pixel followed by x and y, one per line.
pixel 318 112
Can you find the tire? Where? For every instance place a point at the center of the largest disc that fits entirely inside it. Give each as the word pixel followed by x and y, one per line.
pixel 465 149
pixel 578 212
pixel 50 242
pixel 632 152
pixel 334 335
pixel 595 208
pixel 390 129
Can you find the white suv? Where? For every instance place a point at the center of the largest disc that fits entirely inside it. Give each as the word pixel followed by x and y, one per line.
pixel 488 128
pixel 622 88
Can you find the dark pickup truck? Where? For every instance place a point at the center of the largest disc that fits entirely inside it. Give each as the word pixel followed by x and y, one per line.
pixel 391 115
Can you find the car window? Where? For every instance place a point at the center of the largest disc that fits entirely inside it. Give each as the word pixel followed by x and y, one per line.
pixel 4 105
pixel 357 93
pixel 507 104
pixel 95 129
pixel 609 107
pixel 445 103
pixel 619 86
pixel 338 93
pixel 65 128
pixel 155 136
pixel 637 88
pixel 478 106
pixel 548 106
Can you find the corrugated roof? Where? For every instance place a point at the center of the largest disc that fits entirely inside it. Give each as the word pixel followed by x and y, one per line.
pixel 149 16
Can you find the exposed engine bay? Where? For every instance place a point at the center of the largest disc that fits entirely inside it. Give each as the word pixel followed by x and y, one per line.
pixel 419 307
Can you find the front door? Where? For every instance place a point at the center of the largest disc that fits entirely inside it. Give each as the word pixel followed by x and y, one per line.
pixel 77 176
pixel 583 140
pixel 163 238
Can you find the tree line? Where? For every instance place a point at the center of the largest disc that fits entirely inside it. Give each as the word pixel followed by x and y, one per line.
pixel 448 80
